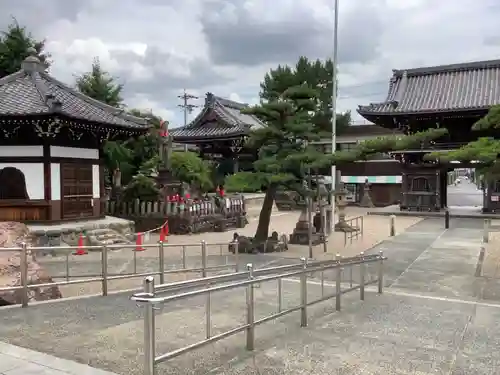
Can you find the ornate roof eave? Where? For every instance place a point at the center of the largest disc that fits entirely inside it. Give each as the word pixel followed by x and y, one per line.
pixel 371 111
pixel 47 102
pixel 202 139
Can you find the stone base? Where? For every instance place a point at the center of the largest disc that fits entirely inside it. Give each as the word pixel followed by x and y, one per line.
pixel 301 238
pixel 68 233
pixel 342 226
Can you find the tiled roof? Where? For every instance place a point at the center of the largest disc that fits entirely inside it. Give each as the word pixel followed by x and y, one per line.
pixel 220 118
pixel 445 88
pixel 32 91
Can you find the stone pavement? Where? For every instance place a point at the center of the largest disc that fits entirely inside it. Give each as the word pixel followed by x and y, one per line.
pixel 435 317
pixel 15 360
pixel 123 261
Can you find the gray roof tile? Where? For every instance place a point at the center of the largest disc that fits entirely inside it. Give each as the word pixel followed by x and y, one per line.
pixel 444 88
pixel 227 121
pixel 32 91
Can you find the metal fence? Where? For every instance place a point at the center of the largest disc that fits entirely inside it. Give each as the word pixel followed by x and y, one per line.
pixel 153 297
pixel 357 224
pixel 104 277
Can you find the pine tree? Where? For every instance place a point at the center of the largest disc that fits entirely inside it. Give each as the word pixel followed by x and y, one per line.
pixel 484 150
pixel 287 154
pixel 100 85
pixel 14 48
pixel 317 75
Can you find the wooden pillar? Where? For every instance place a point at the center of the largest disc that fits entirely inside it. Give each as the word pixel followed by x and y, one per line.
pixel 236 166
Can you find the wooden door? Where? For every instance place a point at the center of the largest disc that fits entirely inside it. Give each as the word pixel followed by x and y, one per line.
pixel 76 190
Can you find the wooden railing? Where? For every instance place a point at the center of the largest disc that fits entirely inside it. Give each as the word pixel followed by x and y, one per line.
pixel 188 208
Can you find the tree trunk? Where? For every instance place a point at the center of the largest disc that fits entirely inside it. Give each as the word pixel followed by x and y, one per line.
pixel 262 232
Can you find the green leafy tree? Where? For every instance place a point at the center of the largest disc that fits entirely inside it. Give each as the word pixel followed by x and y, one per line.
pixel 142 185
pixel 15 43
pixel 100 85
pixel 317 75
pixel 188 167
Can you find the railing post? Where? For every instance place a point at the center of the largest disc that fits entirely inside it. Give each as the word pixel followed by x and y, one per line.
pixel 104 270
pixel 161 261
pixel 236 255
pixel 24 274
pixel 486 231
pixel 149 328
pixel 381 272
pixel 203 259
pixel 392 225
pixel 250 310
pixel 338 281
pixel 303 294
pixel 362 271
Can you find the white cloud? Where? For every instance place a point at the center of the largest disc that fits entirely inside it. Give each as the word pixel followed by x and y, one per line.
pixel 158 48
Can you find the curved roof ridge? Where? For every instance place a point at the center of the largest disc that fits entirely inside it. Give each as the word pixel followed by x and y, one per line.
pixel 118 112
pixel 448 68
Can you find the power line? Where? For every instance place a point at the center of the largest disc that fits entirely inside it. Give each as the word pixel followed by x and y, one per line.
pixel 187 107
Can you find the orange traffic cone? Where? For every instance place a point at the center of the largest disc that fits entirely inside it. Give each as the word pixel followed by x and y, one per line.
pixel 166 230
pixel 162 234
pixel 80 250
pixel 138 242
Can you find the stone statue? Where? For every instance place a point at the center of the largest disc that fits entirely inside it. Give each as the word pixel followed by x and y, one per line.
pixel 366 199
pixel 166 146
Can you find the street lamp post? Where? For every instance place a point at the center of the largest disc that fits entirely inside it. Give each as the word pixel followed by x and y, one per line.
pixel 334 105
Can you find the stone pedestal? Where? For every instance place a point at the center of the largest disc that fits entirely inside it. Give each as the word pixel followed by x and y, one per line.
pixel 300 235
pixel 340 198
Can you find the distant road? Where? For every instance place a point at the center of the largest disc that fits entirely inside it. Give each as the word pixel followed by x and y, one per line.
pixel 465 194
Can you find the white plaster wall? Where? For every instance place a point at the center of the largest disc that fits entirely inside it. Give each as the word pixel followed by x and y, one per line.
pixel 55 181
pixel 74 152
pixel 96 183
pixel 33 173
pixel 21 151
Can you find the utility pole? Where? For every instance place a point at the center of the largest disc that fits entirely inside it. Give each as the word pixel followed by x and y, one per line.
pixel 334 105
pixel 187 107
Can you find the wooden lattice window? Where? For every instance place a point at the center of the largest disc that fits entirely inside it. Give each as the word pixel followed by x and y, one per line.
pixel 420 184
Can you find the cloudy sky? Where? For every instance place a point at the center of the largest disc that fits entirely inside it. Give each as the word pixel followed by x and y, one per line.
pixel 159 47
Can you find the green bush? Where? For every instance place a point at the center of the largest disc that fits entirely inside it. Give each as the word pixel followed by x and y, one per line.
pixel 243 182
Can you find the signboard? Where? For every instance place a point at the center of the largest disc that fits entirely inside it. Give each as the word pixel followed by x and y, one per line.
pixel 494 198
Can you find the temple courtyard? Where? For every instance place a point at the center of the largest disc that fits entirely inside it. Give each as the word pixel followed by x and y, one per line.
pixel 437 315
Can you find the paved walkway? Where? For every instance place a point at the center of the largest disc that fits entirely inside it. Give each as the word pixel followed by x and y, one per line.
pixel 15 360
pixel 430 320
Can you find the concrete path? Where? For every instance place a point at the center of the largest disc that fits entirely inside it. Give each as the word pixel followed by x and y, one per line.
pixel 19 361
pixel 433 318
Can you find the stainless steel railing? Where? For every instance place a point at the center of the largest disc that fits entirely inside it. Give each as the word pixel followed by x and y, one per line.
pixel 104 277
pixel 153 297
pixel 358 225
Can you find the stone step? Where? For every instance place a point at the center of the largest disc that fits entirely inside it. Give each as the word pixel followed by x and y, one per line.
pixel 106 236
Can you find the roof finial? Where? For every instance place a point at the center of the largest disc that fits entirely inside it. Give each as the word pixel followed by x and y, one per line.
pixel 32 62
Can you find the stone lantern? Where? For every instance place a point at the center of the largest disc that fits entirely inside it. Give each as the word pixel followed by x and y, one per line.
pixel 341 202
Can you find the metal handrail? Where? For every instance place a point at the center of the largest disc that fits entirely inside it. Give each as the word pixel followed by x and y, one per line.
pixel 211 280
pixel 105 276
pixel 359 229
pixel 150 298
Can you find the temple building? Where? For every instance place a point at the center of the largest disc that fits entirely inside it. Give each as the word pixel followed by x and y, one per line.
pixel 447 96
pixel 219 132
pixel 51 144
pixel 383 173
